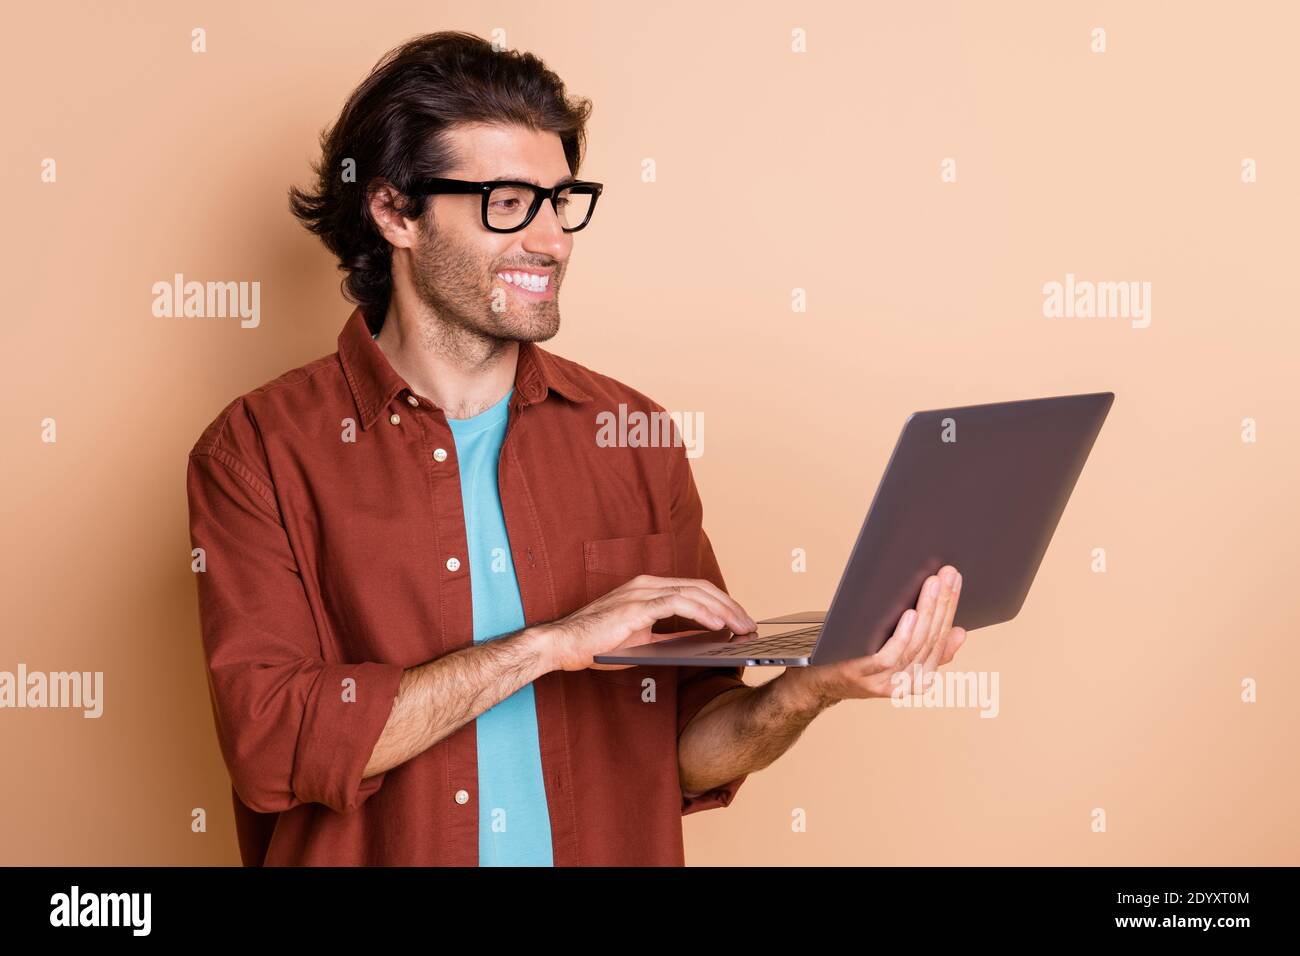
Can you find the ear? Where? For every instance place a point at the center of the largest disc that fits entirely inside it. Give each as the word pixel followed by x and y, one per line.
pixel 386 205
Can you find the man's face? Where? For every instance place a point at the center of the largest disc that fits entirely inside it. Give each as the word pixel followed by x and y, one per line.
pixel 458 264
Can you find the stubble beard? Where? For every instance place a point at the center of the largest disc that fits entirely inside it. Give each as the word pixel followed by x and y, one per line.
pixel 457 292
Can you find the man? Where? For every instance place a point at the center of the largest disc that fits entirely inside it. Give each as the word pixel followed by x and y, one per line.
pixel 415 546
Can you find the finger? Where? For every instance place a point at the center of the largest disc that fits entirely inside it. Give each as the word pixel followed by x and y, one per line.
pixel 722 596
pixel 943 620
pixel 891 652
pixel 671 603
pixel 956 638
pixel 924 614
pixel 735 611
pixel 724 610
pixel 724 607
pixel 922 663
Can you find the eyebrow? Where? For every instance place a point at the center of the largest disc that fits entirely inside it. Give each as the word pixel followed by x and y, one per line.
pixel 530 179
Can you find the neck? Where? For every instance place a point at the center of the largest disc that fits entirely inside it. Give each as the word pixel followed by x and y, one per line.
pixel 462 371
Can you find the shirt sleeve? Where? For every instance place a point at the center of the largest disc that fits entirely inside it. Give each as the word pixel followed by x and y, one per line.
pixel 293 728
pixel 696 686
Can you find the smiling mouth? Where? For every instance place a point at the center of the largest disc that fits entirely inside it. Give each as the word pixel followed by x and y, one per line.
pixel 530 283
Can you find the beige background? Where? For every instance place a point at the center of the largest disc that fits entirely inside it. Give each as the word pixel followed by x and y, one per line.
pixel 775 171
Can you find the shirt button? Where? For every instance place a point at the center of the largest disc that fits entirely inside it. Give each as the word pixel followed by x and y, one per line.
pixel 440 454
pixel 462 796
pixel 453 564
pixel 412 401
pixel 394 418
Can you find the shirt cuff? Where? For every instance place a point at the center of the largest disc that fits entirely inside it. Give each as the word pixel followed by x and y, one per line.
pixel 340 728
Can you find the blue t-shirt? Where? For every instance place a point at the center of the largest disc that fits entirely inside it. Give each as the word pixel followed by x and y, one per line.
pixel 514 822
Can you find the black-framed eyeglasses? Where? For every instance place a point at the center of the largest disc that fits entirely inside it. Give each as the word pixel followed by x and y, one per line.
pixel 509 204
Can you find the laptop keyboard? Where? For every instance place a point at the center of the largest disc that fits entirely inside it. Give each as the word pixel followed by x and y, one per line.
pixel 794 642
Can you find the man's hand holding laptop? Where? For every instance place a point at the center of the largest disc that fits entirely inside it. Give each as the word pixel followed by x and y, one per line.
pixel 923 641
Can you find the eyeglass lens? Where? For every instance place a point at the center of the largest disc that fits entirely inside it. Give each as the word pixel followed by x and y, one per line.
pixel 508 205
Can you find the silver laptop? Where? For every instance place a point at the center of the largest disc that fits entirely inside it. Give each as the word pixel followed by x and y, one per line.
pixel 981 487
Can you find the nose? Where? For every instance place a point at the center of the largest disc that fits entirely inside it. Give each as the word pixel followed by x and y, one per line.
pixel 545 234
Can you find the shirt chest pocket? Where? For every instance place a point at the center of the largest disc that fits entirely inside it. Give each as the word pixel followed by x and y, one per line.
pixel 610 562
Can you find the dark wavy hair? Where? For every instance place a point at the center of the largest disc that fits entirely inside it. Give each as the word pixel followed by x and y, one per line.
pixel 393 128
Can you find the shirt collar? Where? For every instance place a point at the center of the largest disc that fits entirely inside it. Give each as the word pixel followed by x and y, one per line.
pixel 374 383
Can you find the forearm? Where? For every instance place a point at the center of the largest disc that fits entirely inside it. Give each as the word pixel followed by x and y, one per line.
pixel 436 699
pixel 748 730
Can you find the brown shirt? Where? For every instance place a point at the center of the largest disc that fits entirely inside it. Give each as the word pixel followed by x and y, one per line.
pixel 328 506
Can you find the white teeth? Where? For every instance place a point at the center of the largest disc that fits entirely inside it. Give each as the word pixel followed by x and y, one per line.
pixel 526 280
